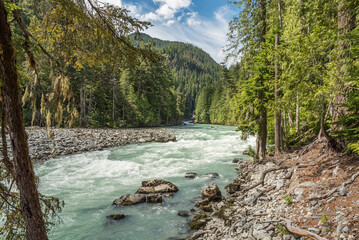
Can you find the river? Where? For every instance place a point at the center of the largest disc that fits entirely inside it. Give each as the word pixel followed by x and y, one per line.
pixel 89 182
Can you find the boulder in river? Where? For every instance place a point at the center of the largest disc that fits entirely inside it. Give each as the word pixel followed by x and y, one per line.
pixel 191 175
pixel 236 160
pixel 211 192
pixel 212 175
pixel 116 216
pixel 132 199
pixel 157 186
pixel 183 213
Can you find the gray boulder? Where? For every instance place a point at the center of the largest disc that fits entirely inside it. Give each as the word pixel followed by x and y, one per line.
pixel 133 199
pixel 233 187
pixel 157 186
pixel 211 192
pixel 116 216
pixel 191 175
pixel 212 175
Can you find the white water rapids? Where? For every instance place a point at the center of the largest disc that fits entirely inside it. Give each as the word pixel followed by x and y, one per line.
pixel 89 182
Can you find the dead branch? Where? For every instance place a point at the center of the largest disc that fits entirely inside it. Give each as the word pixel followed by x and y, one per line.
pixel 261 181
pixel 351 180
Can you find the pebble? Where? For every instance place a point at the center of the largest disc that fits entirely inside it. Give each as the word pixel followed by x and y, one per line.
pixel 343 191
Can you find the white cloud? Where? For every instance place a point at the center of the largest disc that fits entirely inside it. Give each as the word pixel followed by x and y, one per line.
pixel 166 12
pixel 208 34
pixel 193 19
pixel 167 9
pixel 175 21
pixel 175 4
pixel 170 22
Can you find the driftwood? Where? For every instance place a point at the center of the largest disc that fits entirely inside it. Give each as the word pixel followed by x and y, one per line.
pixel 261 181
pixel 331 192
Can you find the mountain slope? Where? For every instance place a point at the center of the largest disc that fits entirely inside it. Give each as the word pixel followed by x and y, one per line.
pixel 192 69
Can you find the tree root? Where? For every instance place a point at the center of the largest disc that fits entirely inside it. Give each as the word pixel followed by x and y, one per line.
pixel 297 230
pixel 261 181
pixel 331 192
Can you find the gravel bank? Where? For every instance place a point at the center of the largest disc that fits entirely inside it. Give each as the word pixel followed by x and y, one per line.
pixel 77 140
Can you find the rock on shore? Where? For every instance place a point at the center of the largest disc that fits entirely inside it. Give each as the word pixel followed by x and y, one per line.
pixel 77 140
pixel 300 198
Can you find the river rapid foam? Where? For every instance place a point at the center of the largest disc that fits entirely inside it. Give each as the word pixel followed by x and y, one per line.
pixel 89 182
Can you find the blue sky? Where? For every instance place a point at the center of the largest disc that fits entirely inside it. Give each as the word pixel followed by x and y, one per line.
pixel 203 23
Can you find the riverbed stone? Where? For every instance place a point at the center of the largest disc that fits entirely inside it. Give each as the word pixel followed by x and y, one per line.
pixel 116 217
pixel 236 160
pixel 191 175
pixel 232 187
pixel 212 175
pixel 157 186
pixel 183 213
pixel 133 199
pixel 343 191
pixel 211 192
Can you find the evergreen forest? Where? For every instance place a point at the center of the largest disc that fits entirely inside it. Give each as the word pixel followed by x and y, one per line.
pixel 296 74
pixel 289 82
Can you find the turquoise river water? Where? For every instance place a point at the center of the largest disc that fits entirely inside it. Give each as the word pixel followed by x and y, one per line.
pixel 89 182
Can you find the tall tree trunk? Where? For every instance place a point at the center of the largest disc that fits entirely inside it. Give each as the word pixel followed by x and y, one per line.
pixel 262 134
pixel 345 25
pixel 25 177
pixel 297 114
pixel 113 103
pixel 262 19
pixel 277 125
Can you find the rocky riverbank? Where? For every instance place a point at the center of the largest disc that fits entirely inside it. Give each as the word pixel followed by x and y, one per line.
pixel 77 140
pixel 312 193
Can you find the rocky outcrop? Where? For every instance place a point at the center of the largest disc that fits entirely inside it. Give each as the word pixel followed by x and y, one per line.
pixel 157 186
pixel 133 199
pixel 290 197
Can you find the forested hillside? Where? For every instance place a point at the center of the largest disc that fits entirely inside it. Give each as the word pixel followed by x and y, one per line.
pixel 297 76
pixel 192 69
pixel 73 74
